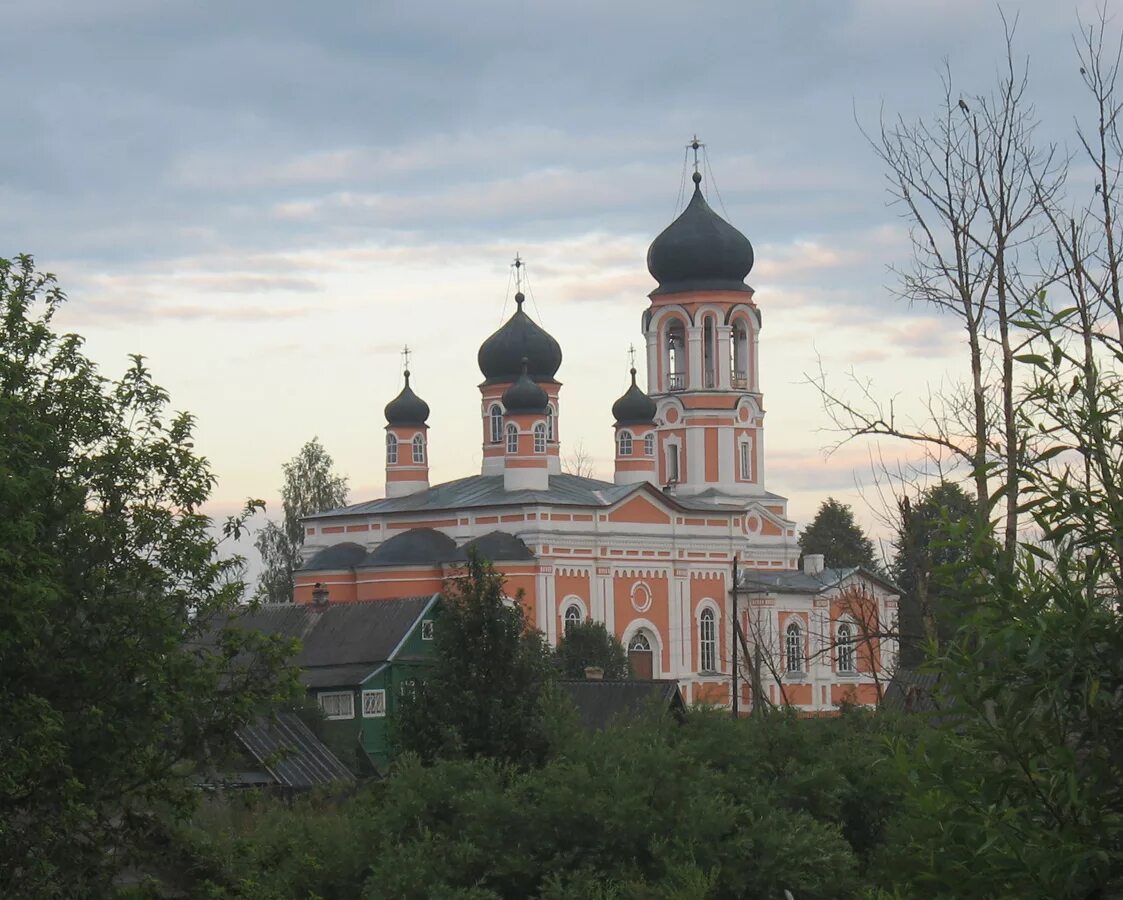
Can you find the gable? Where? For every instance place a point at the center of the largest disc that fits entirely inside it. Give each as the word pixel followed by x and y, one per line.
pixel 640 509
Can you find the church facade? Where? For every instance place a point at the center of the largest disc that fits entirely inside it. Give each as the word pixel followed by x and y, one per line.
pixel 650 554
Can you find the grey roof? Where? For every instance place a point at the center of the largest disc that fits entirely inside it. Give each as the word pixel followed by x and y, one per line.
pixel 337 556
pixel 798 582
pixel 290 752
pixel 599 703
pixel 501 355
pixel 916 691
pixel 417 546
pixel 496 546
pixel 344 640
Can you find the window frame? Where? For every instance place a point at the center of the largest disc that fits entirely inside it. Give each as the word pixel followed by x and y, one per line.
pixel 845 655
pixel 649 444
pixel 570 617
pixel 427 629
pixel 391 449
pixel 550 414
pixel 745 459
pixel 495 423
pixel 372 693
pixel 350 695
pixel 540 437
pixel 512 436
pixel 624 443
pixel 418 445
pixel 707 640
pixel 793 638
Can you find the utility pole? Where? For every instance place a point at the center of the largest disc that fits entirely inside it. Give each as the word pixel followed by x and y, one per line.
pixel 736 629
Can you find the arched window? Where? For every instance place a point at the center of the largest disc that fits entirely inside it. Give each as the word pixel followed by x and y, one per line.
pixel 676 356
pixel 845 646
pixel 495 416
pixel 639 641
pixel 707 641
pixel 640 658
pixel 391 449
pixel 793 647
pixel 540 438
pixel 550 423
pixel 572 616
pixel 672 463
pixel 709 353
pixel 649 444
pixel 739 355
pixel 624 443
pixel 419 448
pixel 512 439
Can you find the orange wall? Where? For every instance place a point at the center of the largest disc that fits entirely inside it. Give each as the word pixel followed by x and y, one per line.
pixel 657 614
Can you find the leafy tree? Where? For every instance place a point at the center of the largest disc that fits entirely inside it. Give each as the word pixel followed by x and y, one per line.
pixel 110 582
pixel 834 533
pixel 590 644
pixel 934 546
pixel 311 486
pixel 488 692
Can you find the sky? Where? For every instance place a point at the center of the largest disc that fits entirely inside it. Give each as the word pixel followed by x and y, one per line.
pixel 269 199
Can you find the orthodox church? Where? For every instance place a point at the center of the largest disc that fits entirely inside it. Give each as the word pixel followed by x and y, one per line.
pixel 650 554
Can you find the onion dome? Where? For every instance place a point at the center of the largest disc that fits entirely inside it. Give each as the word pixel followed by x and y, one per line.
pixel 407 408
pixel 501 355
pixel 524 396
pixel 699 251
pixel 635 407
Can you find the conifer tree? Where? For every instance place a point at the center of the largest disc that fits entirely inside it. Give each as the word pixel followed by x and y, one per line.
pixel 834 533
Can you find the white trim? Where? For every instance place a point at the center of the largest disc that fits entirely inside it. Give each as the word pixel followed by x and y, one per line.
pixel 568 601
pixel 350 695
pixel 372 692
pixel 653 637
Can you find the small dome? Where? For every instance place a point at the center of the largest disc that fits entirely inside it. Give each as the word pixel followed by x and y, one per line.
pixel 635 407
pixel 501 355
pixel 524 396
pixel 407 408
pixel 699 251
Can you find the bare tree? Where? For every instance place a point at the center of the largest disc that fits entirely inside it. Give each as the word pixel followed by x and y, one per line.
pixel 579 462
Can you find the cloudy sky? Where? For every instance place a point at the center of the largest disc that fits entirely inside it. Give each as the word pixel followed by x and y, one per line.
pixel 269 199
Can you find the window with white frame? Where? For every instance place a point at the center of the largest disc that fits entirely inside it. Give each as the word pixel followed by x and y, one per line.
pixel 550 422
pixel 512 439
pixel 707 641
pixel 649 444
pixel 540 438
pixel 337 704
pixel 624 441
pixel 391 449
pixel 640 642
pixel 374 704
pixel 672 462
pixel 793 647
pixel 845 648
pixel 426 629
pixel 419 448
pixel 495 418
pixel 572 616
pixel 746 461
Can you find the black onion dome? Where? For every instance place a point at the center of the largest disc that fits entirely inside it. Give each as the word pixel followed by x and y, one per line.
pixel 524 396
pixel 407 408
pixel 501 355
pixel 635 407
pixel 699 251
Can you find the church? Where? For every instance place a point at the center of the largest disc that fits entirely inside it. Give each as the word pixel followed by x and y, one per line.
pixel 652 553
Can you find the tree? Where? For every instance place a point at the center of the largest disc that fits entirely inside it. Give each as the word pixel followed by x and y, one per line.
pixel 589 643
pixel 834 533
pixel 579 462
pixel 114 681
pixel 486 695
pixel 934 542
pixel 311 486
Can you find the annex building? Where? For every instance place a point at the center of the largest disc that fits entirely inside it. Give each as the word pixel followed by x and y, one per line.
pixel 651 553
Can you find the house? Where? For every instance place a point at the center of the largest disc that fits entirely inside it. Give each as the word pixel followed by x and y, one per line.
pixel 600 703
pixel 354 660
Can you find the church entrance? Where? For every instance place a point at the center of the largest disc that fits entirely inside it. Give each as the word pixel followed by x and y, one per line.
pixel 640 657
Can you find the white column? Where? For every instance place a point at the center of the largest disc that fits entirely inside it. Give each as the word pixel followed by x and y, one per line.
pixel 653 387
pixel 721 335
pixel 676 589
pixel 695 456
pixel 694 358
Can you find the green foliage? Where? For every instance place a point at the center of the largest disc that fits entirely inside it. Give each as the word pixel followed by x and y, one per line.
pixel 110 584
pixel 311 486
pixel 487 693
pixel 589 643
pixel 834 533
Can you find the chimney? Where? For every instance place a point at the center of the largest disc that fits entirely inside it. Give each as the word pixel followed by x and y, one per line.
pixel 594 673
pixel 319 596
pixel 813 563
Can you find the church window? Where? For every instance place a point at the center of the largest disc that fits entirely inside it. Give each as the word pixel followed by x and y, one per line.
pixel 419 448
pixel 374 704
pixel 676 356
pixel 391 449
pixel 746 461
pixel 649 444
pixel 625 442
pixel 640 642
pixel 337 704
pixel 739 356
pixel 512 439
pixel 793 647
pixel 550 422
pixel 709 361
pixel 572 616
pixel 540 438
pixel 707 641
pixel 495 417
pixel 672 463
pixel 845 645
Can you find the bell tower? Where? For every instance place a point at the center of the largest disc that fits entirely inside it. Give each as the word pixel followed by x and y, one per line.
pixel 701 331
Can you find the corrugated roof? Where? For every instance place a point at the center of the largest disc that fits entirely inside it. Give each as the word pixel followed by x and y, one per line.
pixel 799 582
pixel 599 703
pixel 291 753
pixel 342 634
